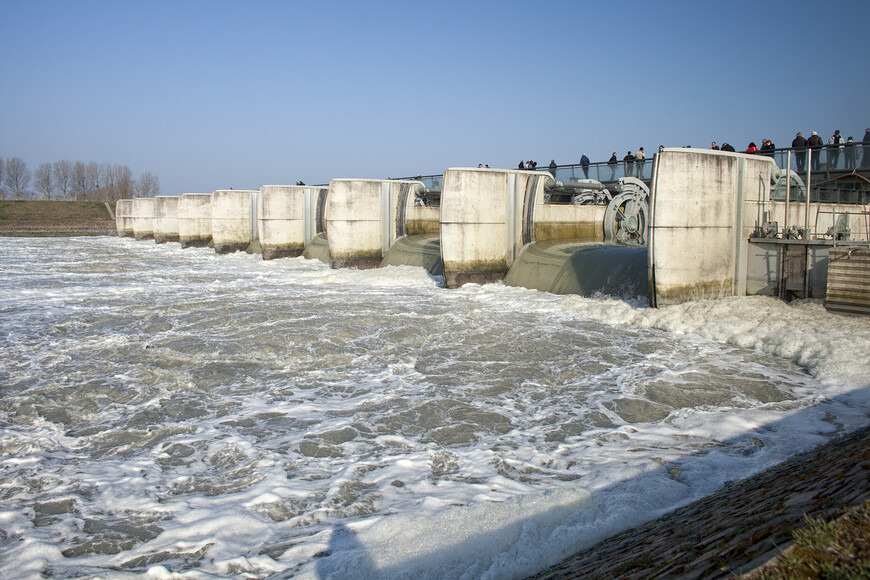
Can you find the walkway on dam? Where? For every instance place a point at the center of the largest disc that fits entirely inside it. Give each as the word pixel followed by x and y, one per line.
pixel 741 527
pixel 826 168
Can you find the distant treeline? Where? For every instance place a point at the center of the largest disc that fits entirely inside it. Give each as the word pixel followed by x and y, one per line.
pixel 73 180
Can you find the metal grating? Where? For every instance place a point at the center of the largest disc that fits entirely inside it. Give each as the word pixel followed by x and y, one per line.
pixel 848 281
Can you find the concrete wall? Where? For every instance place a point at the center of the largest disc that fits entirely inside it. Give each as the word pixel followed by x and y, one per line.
pixel 487 215
pixel 421 220
pixel 143 218
pixel 699 227
pixel 364 217
pixel 165 219
pixel 194 219
pixel 287 219
pixel 124 218
pixel 233 219
pixel 569 222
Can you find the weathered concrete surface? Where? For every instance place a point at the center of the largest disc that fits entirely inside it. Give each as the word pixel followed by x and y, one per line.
pixel 143 218
pixel 364 217
pixel 739 528
pixel 194 219
pixel 124 218
pixel 233 219
pixel 165 219
pixel 486 218
pixel 287 219
pixel 698 224
pixel 569 222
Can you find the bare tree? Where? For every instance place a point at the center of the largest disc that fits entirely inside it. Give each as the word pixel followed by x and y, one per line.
pixel 124 185
pixel 43 181
pixel 17 177
pixel 2 168
pixel 107 182
pixel 92 173
pixel 148 185
pixel 63 176
pixel 79 181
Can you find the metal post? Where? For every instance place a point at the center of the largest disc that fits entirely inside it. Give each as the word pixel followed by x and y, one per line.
pixel 809 184
pixel 807 225
pixel 787 191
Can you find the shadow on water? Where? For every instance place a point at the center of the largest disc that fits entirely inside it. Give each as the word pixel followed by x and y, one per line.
pixel 527 545
pixel 346 557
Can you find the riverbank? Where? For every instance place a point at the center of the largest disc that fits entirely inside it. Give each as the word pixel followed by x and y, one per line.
pixel 41 218
pixel 747 528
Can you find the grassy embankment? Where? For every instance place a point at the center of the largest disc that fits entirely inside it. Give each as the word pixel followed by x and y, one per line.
pixel 55 218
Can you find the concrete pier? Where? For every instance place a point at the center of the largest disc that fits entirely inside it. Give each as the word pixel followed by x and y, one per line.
pixel 288 218
pixel 194 219
pixel 364 217
pixel 124 218
pixel 699 226
pixel 233 219
pixel 486 218
pixel 143 218
pixel 165 219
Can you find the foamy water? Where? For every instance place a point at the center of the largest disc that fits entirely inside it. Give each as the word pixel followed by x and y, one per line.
pixel 174 413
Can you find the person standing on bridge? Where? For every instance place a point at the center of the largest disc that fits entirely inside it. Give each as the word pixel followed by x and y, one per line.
pixel 865 156
pixel 835 143
pixel 584 164
pixel 612 163
pixel 639 158
pixel 629 164
pixel 815 142
pixel 800 155
pixel 849 148
pixel 522 165
pixel 552 168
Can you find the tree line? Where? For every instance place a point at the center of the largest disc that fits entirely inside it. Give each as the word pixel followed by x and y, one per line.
pixel 74 180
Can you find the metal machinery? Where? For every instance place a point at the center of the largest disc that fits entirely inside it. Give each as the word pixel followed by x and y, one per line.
pixel 626 216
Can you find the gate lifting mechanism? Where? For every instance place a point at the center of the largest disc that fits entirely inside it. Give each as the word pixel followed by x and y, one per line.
pixel 626 216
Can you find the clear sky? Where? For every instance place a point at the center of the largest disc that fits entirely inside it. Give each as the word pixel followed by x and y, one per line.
pixel 212 94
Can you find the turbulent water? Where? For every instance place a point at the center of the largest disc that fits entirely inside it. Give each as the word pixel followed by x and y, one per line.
pixel 174 413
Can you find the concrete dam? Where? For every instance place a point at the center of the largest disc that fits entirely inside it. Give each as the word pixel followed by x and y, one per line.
pixel 710 224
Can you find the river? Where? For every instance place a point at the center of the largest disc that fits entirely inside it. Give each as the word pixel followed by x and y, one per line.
pixel 175 413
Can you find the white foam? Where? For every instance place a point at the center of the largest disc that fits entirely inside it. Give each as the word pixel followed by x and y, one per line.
pixel 260 415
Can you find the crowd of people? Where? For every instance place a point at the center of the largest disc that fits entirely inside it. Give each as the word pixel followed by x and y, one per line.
pixel 835 146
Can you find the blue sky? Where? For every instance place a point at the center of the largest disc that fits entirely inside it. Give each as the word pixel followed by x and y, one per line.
pixel 217 94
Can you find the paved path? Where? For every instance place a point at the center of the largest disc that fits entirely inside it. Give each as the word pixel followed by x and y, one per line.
pixel 739 528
